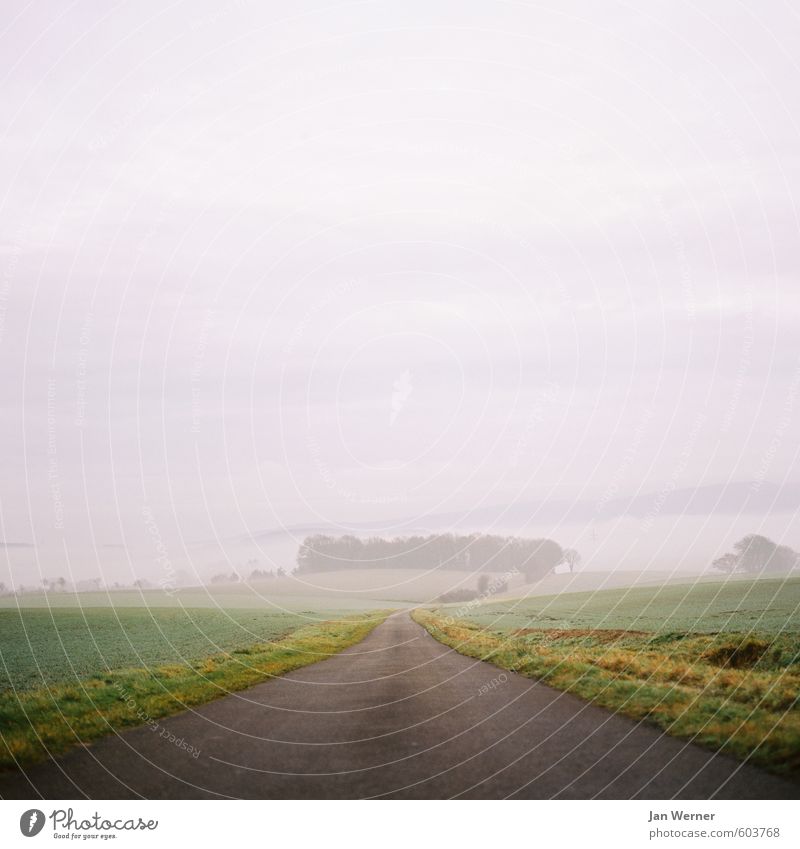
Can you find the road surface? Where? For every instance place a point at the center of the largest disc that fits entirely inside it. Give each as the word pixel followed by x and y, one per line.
pixel 397 716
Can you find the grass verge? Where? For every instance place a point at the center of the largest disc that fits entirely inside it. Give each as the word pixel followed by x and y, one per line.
pixel 736 693
pixel 48 720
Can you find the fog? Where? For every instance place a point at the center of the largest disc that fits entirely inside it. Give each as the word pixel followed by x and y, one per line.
pixel 466 266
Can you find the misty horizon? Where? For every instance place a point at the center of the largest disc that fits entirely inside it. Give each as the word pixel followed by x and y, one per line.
pixel 283 275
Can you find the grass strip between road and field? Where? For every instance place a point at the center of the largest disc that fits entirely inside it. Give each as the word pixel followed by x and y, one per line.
pixel 48 720
pixel 735 693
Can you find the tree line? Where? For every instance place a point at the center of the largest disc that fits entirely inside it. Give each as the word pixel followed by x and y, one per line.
pixel 255 575
pixel 58 585
pixel 534 558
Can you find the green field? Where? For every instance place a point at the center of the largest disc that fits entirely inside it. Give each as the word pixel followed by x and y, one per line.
pixel 353 589
pixel 69 675
pixel 765 605
pixel 717 664
pixel 222 597
pixel 40 646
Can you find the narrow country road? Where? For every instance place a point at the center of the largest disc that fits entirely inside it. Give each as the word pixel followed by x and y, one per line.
pixel 398 715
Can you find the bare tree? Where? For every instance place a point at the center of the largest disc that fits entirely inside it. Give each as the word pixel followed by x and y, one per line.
pixel 572 558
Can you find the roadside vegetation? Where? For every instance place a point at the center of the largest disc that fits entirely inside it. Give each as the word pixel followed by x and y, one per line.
pixel 70 709
pixel 736 691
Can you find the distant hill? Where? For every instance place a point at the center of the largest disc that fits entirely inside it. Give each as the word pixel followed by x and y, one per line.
pixel 731 499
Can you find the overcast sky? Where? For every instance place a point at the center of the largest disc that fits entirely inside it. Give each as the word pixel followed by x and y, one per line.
pixel 386 259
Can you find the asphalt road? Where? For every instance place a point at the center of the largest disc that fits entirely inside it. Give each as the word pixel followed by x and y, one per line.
pixel 398 715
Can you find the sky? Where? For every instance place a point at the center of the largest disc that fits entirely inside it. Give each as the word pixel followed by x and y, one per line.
pixel 264 265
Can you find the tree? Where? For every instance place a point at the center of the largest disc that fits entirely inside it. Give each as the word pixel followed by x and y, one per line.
pixel 783 559
pixel 755 553
pixel 572 558
pixel 483 584
pixel 728 563
pixel 61 583
pixel 541 556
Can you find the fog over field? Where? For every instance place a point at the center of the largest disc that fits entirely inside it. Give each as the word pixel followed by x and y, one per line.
pixel 266 273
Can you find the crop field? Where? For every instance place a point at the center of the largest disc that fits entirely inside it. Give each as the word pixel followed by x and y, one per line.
pixel 42 646
pixel 765 605
pixel 288 598
pixel 718 664
pixel 69 675
pixel 352 589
